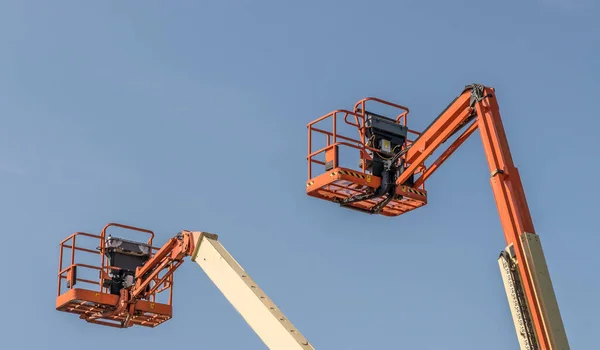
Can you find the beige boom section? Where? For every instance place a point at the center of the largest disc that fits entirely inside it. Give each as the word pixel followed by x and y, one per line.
pixel 261 314
pixel 519 307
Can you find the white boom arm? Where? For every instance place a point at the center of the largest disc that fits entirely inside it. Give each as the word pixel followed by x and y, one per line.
pixel 261 314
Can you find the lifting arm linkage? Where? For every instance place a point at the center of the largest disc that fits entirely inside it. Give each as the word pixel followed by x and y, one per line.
pixel 479 103
pixel 169 257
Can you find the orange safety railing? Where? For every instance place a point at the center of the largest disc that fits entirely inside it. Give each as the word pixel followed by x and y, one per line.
pixel 66 271
pixel 105 267
pixel 112 224
pixel 403 116
pixel 334 138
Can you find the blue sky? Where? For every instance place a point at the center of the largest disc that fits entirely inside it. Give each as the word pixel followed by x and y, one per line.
pixel 192 115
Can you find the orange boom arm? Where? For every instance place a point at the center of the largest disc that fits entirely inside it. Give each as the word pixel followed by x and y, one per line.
pixel 398 163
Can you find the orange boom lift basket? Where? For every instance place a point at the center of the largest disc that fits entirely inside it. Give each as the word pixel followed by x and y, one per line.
pixel 360 172
pixel 113 262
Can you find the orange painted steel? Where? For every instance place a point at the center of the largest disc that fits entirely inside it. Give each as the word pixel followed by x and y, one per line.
pixel 134 306
pixel 475 108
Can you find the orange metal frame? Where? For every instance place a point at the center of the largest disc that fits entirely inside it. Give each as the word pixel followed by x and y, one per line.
pixel 475 108
pixel 345 182
pixel 96 304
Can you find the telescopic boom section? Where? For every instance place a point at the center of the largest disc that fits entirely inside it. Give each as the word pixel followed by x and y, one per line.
pixel 264 317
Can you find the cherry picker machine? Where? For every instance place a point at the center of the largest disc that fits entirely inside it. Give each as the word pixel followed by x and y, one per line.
pixel 132 274
pixel 390 180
